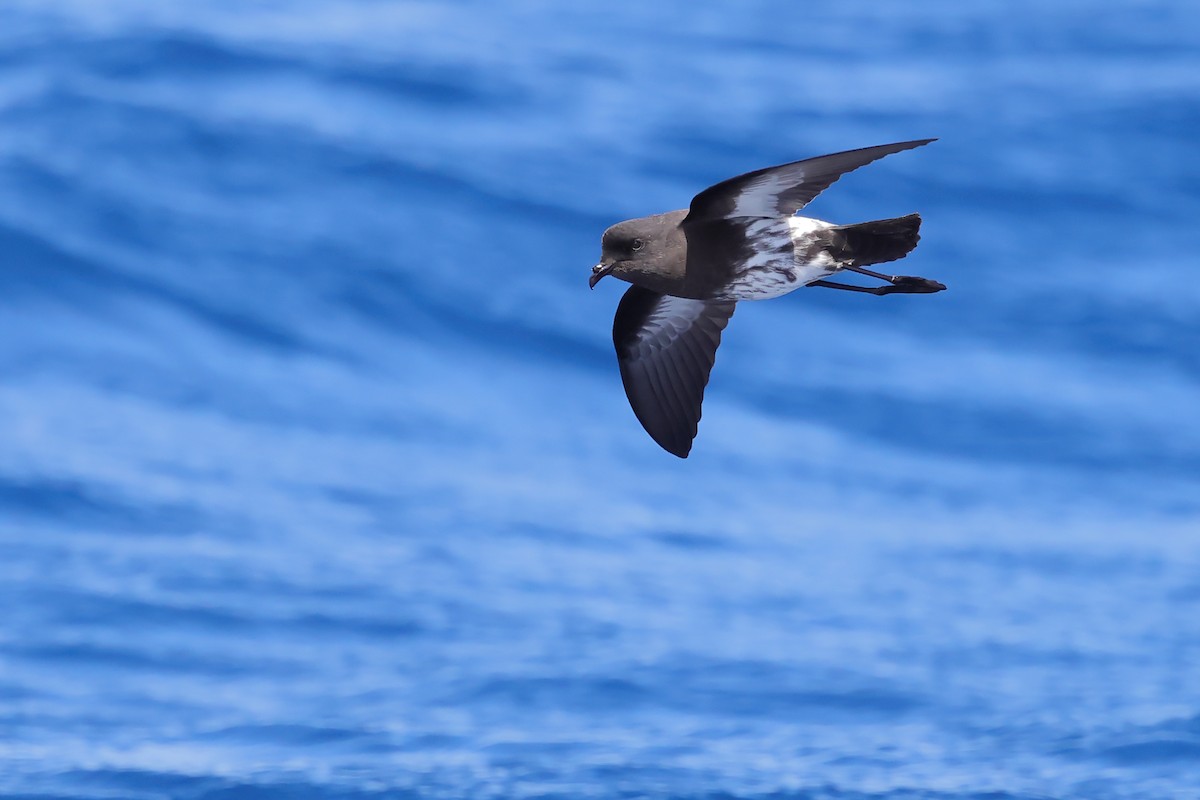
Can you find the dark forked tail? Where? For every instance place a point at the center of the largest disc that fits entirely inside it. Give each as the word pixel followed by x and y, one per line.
pixel 875 242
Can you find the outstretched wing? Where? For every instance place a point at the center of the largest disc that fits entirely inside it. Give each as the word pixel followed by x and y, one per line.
pixel 666 347
pixel 783 190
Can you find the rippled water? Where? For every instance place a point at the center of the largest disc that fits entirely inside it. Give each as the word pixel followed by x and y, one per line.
pixel 316 475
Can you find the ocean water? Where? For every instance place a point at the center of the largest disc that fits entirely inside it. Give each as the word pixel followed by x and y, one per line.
pixel 316 475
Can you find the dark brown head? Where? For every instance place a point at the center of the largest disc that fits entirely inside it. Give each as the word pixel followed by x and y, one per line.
pixel 648 251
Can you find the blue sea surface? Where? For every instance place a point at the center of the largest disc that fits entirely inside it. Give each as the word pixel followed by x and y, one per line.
pixel 317 479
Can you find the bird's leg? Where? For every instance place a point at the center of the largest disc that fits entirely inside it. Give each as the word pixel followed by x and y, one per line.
pixel 851 288
pixel 870 273
pixel 901 284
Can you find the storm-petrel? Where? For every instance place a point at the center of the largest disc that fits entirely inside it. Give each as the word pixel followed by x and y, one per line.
pixel 739 240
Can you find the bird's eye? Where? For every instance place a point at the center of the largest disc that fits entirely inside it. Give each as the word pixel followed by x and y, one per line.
pixel 638 244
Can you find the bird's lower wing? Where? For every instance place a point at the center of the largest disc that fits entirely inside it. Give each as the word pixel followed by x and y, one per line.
pixel 666 347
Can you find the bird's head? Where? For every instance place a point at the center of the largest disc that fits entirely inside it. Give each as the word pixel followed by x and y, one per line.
pixel 648 246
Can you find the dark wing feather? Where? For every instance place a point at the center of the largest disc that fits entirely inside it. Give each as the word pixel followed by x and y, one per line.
pixel 666 347
pixel 783 190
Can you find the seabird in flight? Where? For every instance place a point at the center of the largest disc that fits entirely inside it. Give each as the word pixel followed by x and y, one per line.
pixel 739 240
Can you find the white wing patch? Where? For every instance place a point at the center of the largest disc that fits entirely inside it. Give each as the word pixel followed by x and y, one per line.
pixel 671 318
pixel 759 198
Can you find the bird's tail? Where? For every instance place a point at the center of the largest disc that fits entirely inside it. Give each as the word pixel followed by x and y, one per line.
pixel 875 242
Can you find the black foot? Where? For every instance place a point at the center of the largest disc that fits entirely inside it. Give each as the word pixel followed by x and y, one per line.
pixel 909 284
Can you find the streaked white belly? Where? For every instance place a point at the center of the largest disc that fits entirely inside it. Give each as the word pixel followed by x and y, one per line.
pixel 776 268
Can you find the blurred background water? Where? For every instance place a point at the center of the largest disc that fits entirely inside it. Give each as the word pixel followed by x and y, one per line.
pixel 316 475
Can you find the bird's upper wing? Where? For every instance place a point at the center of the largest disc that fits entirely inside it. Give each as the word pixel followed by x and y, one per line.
pixel 666 347
pixel 783 190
